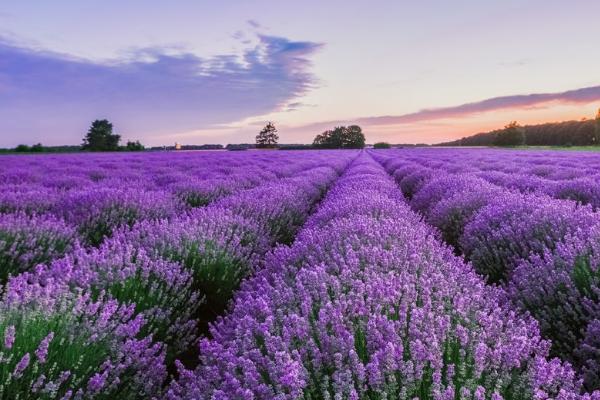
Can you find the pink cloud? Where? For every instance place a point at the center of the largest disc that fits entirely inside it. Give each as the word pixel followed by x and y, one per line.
pixel 534 101
pixel 582 95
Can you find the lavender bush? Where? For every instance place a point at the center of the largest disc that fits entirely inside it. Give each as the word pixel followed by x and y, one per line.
pixel 583 190
pixel 26 241
pixel 73 347
pixel 442 187
pixel 412 182
pixel 543 249
pixel 161 291
pixel 98 212
pixel 452 214
pixel 221 244
pixel 216 247
pixel 561 289
pixel 27 199
pixel 514 227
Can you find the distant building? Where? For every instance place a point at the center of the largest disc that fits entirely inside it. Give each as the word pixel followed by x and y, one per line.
pixel 177 146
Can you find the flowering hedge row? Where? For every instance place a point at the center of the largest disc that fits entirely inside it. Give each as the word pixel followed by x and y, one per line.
pixel 367 303
pixel 98 195
pixel 542 249
pixel 105 321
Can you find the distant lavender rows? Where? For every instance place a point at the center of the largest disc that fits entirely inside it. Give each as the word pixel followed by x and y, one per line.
pixel 97 193
pixel 118 261
pixel 527 220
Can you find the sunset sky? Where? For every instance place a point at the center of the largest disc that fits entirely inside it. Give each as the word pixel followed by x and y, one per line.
pixel 199 72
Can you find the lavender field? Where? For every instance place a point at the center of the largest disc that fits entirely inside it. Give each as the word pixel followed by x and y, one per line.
pixel 331 274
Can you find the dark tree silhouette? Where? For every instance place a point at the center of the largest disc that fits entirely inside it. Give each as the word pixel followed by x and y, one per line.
pixel 585 132
pixel 267 138
pixel 100 137
pixel 36 148
pixel 382 145
pixel 512 135
pixel 341 137
pixel 134 146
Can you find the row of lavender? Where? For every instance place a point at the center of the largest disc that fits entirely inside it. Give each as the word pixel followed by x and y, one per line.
pixel 106 321
pixel 543 250
pixel 97 193
pixel 367 303
pixel 53 219
pixel 563 175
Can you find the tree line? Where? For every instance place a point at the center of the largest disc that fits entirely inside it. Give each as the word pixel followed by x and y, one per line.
pixel 101 137
pixel 340 137
pixel 568 133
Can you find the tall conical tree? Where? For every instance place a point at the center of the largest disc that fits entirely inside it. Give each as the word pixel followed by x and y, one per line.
pixel 267 138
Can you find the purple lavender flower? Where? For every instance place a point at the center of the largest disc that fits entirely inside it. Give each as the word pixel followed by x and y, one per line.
pixel 582 190
pixel 363 301
pixel 452 214
pixel 42 351
pixel 92 337
pixel 588 355
pixel 9 337
pixel 21 366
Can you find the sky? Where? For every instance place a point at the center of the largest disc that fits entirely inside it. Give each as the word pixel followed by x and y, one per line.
pixel 197 72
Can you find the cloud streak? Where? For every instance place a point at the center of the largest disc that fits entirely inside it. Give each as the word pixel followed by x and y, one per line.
pixel 431 120
pixel 582 95
pixel 45 95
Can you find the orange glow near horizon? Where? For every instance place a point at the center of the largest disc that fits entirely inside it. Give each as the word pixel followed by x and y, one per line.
pixel 448 129
pixel 430 131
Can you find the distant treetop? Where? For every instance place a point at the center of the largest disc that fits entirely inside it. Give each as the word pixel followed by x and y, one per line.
pixel 382 145
pixel 513 134
pixel 100 137
pixel 267 137
pixel 134 146
pixel 341 137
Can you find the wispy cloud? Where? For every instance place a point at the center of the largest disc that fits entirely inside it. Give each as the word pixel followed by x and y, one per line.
pixel 44 94
pixel 298 105
pixel 254 24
